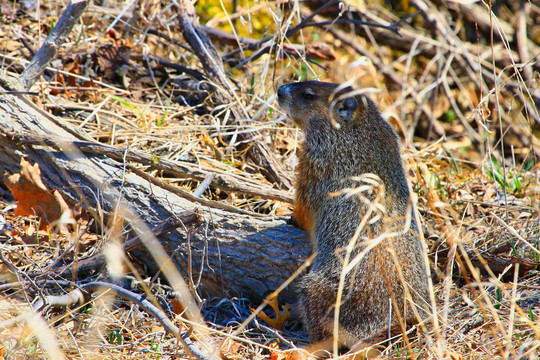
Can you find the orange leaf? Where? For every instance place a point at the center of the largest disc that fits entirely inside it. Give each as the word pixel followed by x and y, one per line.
pixel 230 348
pixel 72 68
pixel 281 317
pixel 453 355
pixel 177 306
pixel 34 197
pixel 275 353
pixel 157 328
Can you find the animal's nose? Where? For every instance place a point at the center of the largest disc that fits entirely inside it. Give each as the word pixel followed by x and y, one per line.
pixel 282 92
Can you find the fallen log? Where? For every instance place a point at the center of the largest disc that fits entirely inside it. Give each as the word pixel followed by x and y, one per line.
pixel 224 252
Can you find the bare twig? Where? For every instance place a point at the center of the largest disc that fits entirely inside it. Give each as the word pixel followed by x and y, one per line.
pixel 318 51
pixel 53 42
pixel 392 76
pixel 263 46
pixel 391 27
pixel 308 18
pixel 77 296
pixel 72 298
pixel 522 40
pixel 19 284
pixel 476 12
pixel 226 94
pixel 169 39
pixel 204 185
pixel 192 348
pixel 222 180
pixel 180 68
pixel 309 52
pixel 85 266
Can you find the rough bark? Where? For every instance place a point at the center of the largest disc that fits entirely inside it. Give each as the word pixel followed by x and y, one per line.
pixel 234 254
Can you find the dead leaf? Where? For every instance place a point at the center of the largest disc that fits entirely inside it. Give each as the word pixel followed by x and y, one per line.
pixel 299 354
pixel 276 353
pixel 230 349
pixel 11 45
pixel 35 199
pixel 157 328
pixel 453 355
pixel 281 317
pixel 110 58
pixel 322 52
pixel 72 68
pixel 177 306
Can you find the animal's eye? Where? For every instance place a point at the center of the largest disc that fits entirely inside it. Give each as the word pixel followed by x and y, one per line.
pixel 308 94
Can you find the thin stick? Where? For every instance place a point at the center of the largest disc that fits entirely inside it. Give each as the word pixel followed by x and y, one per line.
pixel 521 37
pixel 97 261
pixel 222 180
pixel 53 42
pixel 204 185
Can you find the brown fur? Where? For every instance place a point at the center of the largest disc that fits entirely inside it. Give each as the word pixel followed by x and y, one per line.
pixel 345 136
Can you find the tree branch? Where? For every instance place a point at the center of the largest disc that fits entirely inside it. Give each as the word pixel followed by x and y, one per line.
pixel 53 42
pixel 226 94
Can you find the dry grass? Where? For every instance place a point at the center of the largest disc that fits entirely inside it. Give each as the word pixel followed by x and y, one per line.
pixel 464 104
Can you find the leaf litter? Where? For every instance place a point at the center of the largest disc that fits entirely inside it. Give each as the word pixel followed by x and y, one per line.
pixel 471 202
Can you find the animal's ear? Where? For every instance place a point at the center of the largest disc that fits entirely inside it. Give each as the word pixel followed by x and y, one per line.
pixel 345 108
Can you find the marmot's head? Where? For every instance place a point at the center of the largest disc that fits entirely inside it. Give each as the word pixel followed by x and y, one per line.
pixel 313 101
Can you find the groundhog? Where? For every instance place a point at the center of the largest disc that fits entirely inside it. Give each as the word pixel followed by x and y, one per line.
pixel 347 148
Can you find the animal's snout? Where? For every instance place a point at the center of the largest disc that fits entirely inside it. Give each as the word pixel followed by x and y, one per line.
pixel 283 92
